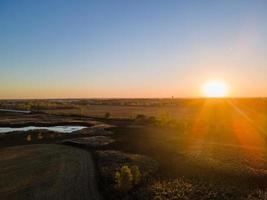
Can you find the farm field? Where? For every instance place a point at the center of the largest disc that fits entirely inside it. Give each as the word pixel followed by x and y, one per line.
pixel 47 172
pixel 133 100
pixel 217 151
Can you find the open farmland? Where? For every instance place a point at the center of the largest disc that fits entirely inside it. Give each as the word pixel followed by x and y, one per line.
pixel 133 100
pixel 125 112
pixel 208 148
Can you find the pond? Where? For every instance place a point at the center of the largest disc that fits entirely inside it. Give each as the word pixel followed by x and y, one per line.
pixel 15 111
pixel 60 129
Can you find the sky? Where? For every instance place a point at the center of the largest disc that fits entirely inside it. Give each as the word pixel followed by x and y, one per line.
pixel 131 48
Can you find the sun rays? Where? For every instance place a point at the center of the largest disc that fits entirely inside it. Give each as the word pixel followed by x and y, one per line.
pixel 220 124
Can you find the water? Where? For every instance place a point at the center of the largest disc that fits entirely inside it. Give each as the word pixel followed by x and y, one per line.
pixel 60 129
pixel 15 111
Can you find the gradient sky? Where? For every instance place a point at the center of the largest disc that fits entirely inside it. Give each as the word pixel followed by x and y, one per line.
pixel 134 48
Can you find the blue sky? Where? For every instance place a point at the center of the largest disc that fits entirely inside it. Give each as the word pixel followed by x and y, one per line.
pixel 148 48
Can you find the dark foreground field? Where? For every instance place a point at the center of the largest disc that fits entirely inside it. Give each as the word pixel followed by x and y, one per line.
pixel 47 171
pixel 192 168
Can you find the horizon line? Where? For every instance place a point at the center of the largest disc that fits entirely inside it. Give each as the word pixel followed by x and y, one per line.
pixel 121 98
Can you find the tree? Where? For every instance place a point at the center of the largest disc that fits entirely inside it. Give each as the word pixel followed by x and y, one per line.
pixel 82 111
pixel 124 179
pixel 127 177
pixel 107 115
pixel 152 120
pixel 140 118
pixel 136 174
pixel 40 136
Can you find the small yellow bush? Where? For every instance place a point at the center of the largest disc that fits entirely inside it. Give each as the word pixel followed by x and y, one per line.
pixel 136 174
pixel 124 179
pixel 127 177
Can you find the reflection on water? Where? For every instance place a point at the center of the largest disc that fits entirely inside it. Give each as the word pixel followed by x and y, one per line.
pixel 15 111
pixel 60 129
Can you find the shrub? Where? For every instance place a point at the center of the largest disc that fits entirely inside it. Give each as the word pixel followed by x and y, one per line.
pixel 82 111
pixel 257 195
pixel 40 136
pixel 29 138
pixel 127 177
pixel 136 174
pixel 152 120
pixel 140 117
pixel 107 115
pixel 124 179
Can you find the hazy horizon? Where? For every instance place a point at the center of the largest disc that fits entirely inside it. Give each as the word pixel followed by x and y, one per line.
pixel 134 98
pixel 129 49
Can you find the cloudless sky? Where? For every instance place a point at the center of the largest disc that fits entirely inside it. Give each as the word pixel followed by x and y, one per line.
pixel 131 48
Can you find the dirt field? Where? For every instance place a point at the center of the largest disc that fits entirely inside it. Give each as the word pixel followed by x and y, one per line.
pixel 45 171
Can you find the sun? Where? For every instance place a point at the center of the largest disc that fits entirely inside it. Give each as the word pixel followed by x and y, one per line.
pixel 215 89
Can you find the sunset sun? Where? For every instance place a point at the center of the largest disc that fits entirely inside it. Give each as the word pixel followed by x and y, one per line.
pixel 215 88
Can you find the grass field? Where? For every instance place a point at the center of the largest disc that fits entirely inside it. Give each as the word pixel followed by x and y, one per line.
pixel 46 172
pixel 222 155
pixel 207 166
pixel 126 112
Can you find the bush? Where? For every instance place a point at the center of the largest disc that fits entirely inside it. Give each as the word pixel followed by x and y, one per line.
pixel 127 177
pixel 136 174
pixel 152 120
pixel 40 136
pixel 82 111
pixel 140 118
pixel 107 115
pixel 124 179
pixel 29 138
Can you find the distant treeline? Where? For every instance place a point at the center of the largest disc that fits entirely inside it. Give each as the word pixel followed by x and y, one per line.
pixel 139 102
pixel 255 103
pixel 35 105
